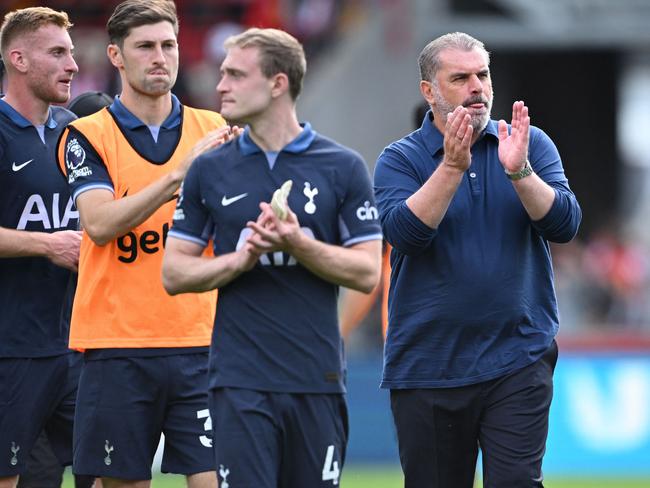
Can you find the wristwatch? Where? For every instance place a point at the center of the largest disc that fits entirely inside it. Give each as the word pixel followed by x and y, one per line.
pixel 527 170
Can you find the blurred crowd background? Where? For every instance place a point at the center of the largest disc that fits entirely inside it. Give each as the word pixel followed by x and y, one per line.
pixel 582 66
pixel 204 25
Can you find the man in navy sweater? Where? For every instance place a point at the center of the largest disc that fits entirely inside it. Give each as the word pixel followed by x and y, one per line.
pixel 470 205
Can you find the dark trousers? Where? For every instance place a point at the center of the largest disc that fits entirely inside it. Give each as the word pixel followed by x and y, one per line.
pixel 440 430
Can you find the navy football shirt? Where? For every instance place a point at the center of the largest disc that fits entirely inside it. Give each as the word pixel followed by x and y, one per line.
pixel 34 197
pixel 276 326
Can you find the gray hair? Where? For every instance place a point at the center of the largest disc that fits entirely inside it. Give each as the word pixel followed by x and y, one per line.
pixel 429 60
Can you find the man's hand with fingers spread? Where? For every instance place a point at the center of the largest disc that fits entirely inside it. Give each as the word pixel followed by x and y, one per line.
pixel 211 140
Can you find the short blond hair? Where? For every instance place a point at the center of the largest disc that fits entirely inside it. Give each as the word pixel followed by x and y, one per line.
pixel 29 20
pixel 280 52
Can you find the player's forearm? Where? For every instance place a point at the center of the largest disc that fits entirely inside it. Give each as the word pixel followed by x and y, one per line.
pixel 186 274
pixel 357 267
pixel 20 243
pixel 353 307
pixel 535 194
pixel 113 218
pixel 430 203
pixel 182 273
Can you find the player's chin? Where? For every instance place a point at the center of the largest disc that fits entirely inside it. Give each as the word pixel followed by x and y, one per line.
pixel 61 96
pixel 158 88
pixel 232 116
pixel 228 109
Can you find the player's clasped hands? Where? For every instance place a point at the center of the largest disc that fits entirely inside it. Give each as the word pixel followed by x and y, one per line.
pixel 268 234
pixel 458 139
pixel 271 233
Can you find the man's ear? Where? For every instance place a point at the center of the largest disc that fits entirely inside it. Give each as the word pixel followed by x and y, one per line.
pixel 426 88
pixel 18 60
pixel 114 54
pixel 279 84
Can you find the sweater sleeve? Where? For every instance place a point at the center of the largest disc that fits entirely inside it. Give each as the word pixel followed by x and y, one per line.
pixel 397 177
pixel 561 222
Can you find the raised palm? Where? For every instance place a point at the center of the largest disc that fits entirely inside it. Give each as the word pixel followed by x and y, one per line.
pixel 513 147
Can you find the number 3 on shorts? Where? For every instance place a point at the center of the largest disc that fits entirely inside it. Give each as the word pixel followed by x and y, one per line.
pixel 331 468
pixel 207 426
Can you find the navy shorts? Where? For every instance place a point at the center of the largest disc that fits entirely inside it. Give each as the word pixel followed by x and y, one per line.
pixel 45 471
pixel 43 467
pixel 37 394
pixel 125 403
pixel 440 430
pixel 278 440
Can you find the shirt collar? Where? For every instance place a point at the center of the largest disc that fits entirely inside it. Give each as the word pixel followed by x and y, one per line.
pixel 433 138
pixel 300 144
pixel 130 121
pixel 21 121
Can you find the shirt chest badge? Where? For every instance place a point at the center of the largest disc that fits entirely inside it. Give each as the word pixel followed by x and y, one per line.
pixel 310 193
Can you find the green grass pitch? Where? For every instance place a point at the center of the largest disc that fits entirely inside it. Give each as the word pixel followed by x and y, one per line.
pixel 391 477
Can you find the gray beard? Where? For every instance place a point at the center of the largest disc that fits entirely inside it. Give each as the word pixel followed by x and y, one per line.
pixel 478 122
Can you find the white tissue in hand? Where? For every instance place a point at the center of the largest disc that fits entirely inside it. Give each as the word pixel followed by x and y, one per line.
pixel 279 200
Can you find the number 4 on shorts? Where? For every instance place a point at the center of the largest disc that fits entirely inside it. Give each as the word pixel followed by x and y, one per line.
pixel 331 470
